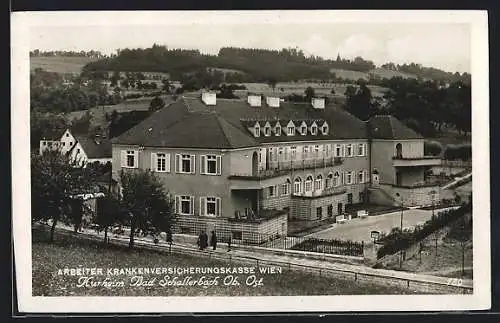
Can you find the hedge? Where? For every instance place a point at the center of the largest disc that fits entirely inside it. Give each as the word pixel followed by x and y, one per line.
pixel 458 152
pixel 432 148
pixel 397 240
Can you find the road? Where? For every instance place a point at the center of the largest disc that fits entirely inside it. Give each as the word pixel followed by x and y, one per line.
pixel 359 229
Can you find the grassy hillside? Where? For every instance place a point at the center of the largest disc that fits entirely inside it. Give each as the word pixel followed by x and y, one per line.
pixel 380 72
pixel 60 64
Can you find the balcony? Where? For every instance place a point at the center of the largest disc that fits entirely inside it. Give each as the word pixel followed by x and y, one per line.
pixel 321 193
pixel 400 161
pixel 280 168
pixel 262 215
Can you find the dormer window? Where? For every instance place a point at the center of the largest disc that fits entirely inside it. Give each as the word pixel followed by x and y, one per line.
pixel 267 131
pixel 290 129
pixel 303 130
pixel 277 130
pixel 256 130
pixel 314 130
pixel 324 129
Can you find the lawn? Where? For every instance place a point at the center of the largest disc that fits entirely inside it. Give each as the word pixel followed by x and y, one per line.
pixel 61 65
pixel 65 253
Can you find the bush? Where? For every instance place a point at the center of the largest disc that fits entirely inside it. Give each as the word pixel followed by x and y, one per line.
pixel 458 152
pixel 432 148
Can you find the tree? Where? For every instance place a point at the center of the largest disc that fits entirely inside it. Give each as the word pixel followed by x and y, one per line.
pixel 156 104
pixel 309 92
pixel 272 83
pixel 332 91
pixel 55 181
pixel 151 208
pixel 109 212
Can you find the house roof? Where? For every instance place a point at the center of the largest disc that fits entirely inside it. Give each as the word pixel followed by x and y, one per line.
pixel 388 127
pixel 189 123
pixel 95 148
pixel 52 134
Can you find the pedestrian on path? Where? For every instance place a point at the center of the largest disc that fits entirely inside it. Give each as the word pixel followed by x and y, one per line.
pixel 213 240
pixel 204 240
pixel 229 244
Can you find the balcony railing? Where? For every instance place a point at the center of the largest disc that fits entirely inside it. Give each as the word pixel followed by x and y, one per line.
pixel 335 190
pixel 251 216
pixel 279 168
pixel 402 161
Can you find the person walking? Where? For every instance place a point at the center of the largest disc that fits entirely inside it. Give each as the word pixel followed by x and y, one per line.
pixel 204 240
pixel 213 240
pixel 198 242
pixel 229 244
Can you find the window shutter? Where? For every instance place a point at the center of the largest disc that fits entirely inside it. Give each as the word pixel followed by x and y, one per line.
pixel 193 164
pixel 123 158
pixel 342 153
pixel 203 161
pixel 202 206
pixel 177 163
pixel 365 146
pixel 153 162
pixel 136 158
pixel 219 165
pixel 167 163
pixel 177 204
pixel 191 205
pixel 353 177
pixel 218 207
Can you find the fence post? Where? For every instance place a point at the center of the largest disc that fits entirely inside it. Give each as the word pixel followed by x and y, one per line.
pixel 355 276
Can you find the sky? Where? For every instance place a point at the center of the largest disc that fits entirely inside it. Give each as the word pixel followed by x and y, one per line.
pixel 446 46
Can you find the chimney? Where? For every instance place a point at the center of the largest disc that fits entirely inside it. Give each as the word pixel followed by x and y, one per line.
pixel 318 103
pixel 255 100
pixel 209 98
pixel 273 101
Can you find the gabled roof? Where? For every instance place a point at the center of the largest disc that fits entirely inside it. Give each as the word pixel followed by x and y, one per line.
pixel 52 134
pixel 388 127
pixel 95 148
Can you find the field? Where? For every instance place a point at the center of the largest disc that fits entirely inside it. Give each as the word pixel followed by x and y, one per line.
pixel 64 253
pixel 288 88
pixel 63 65
pixel 381 72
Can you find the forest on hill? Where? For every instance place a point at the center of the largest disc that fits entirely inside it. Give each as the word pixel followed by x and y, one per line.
pixel 256 65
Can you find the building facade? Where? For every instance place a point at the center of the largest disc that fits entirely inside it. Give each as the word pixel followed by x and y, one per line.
pixel 257 163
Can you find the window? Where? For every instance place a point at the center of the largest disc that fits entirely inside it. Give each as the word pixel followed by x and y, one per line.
pixel 336 179
pixel 185 163
pixel 267 131
pixel 361 177
pixel 319 212
pixel 349 150
pixel 306 152
pixel 210 164
pixel 280 154
pixel 293 152
pixel 210 206
pixel 184 204
pixel 338 150
pixel 349 178
pixel 324 129
pixel 63 143
pixel 297 186
pixel 316 151
pixel 326 150
pixel 361 149
pixel 285 188
pixel 129 158
pixel 291 130
pixel 308 184
pixel 67 134
pixel 318 183
pixel 256 131
pixel 314 130
pixel 272 191
pixel 44 143
pixel 70 143
pixel 160 162
pixel 277 130
pixel 77 150
pixel 303 130
pixel 329 181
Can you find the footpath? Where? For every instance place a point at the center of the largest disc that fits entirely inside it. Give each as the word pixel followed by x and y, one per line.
pixel 324 267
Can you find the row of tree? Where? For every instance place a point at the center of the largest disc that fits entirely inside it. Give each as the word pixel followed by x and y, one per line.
pixel 65 53
pixel 428 72
pixel 143 205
